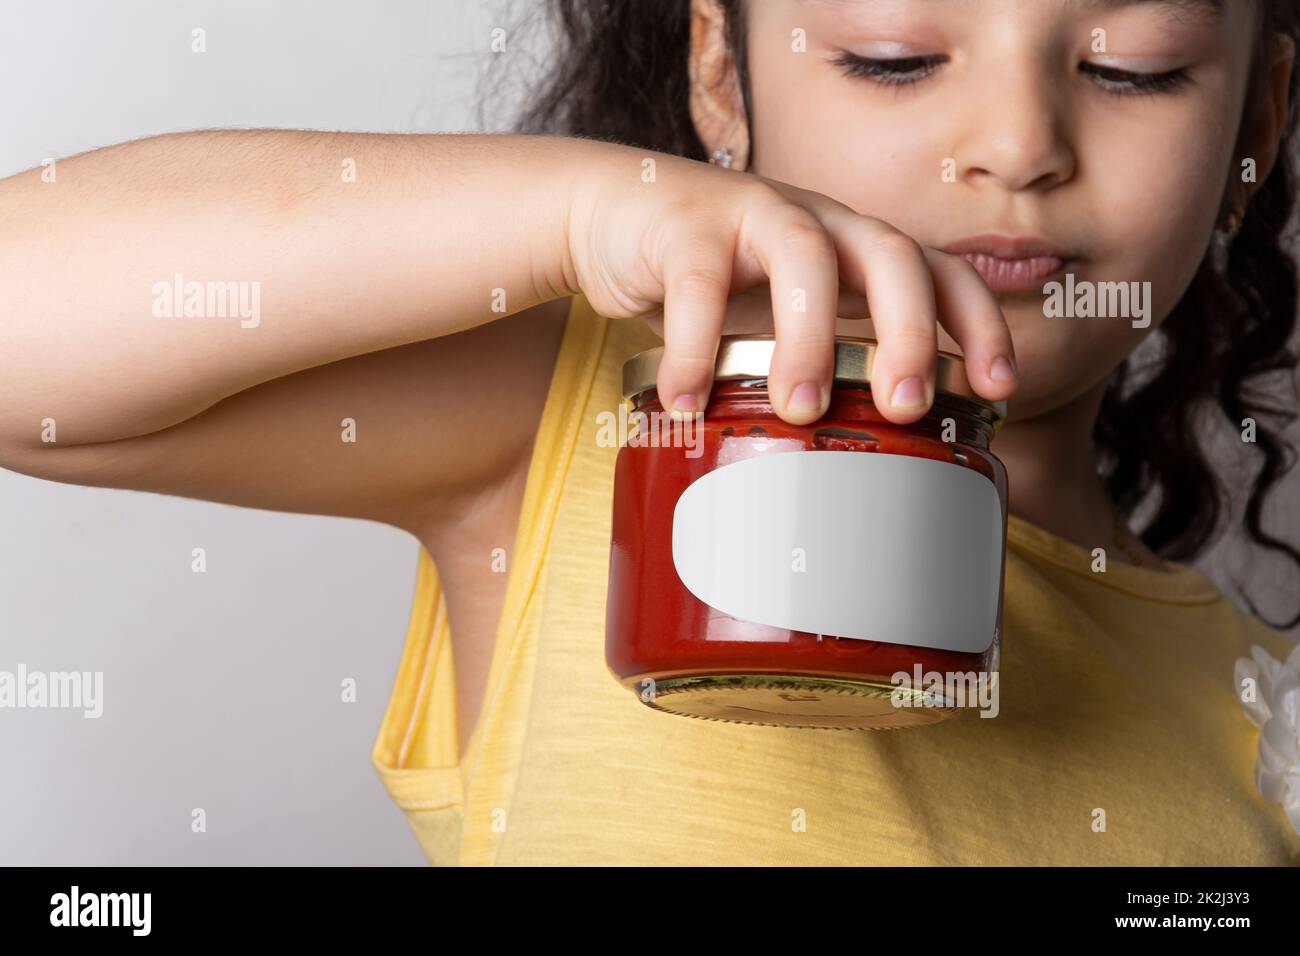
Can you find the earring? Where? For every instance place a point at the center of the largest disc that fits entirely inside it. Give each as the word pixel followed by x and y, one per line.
pixel 721 157
pixel 1233 224
pixel 1230 222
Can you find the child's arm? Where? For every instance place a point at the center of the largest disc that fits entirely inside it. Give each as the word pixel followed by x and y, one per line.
pixel 204 408
pixel 434 231
pixel 358 286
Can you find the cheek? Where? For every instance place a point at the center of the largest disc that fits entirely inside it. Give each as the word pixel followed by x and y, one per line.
pixel 861 150
pixel 1154 208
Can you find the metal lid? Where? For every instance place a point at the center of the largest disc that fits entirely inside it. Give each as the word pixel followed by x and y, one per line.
pixel 749 356
pixel 784 700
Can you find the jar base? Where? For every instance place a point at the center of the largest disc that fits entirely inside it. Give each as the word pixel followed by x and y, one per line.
pixel 776 700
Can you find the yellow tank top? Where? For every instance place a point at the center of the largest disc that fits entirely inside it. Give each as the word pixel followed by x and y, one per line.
pixel 1120 738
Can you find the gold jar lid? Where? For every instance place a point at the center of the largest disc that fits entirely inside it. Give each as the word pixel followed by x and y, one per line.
pixel 749 356
pixel 777 700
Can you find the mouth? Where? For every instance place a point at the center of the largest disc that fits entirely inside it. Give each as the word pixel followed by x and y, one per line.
pixel 1013 264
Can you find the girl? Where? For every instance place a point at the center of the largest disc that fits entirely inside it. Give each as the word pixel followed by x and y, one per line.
pixel 921 170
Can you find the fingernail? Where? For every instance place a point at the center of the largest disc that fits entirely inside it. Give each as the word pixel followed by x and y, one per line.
pixel 908 393
pixel 805 397
pixel 1002 369
pixel 684 402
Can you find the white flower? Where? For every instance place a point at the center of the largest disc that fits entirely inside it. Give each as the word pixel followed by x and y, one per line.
pixel 1275 709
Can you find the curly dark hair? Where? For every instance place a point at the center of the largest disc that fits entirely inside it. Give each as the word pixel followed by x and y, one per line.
pixel 618 72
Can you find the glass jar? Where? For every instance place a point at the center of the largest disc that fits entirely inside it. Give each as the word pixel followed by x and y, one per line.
pixel 846 573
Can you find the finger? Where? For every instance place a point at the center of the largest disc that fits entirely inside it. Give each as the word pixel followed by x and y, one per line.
pixel 799 258
pixel 891 270
pixel 697 280
pixel 969 310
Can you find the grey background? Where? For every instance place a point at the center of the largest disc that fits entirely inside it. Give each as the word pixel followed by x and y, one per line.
pixel 222 690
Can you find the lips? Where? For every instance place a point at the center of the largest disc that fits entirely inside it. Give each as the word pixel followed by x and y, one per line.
pixel 1011 263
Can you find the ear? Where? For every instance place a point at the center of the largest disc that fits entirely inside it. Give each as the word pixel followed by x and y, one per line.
pixel 716 102
pixel 1266 120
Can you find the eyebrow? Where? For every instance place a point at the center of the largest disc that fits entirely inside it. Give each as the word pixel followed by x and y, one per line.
pixel 1204 10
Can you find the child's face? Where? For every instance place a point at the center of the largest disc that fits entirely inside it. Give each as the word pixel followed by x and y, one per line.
pixel 1013 121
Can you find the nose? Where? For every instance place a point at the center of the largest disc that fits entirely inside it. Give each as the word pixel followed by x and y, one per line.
pixel 1016 134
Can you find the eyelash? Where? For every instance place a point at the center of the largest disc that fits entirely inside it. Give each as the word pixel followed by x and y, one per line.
pixel 1124 83
pixel 888 72
pixel 913 69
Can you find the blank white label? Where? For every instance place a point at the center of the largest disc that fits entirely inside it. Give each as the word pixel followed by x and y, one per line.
pixel 863 545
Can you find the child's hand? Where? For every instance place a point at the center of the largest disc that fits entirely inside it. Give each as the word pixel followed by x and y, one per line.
pixel 686 244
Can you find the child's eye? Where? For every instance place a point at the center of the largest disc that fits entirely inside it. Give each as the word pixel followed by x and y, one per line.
pixel 895 72
pixel 1124 82
pixel 904 70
